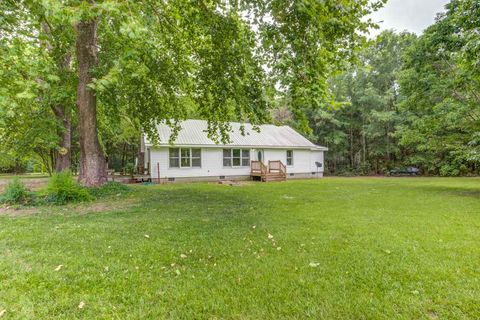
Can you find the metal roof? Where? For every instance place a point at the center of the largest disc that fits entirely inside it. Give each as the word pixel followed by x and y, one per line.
pixel 194 132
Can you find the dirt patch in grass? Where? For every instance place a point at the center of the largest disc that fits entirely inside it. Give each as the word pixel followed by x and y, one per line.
pixel 475 194
pixel 31 184
pixel 235 183
pixel 17 212
pixel 117 205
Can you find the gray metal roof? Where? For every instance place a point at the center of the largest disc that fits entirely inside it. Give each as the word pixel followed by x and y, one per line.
pixel 194 132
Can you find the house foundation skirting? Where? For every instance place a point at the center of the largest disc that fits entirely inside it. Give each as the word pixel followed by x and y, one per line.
pixel 306 175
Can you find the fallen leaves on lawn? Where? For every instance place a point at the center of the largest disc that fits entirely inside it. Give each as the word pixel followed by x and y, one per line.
pixel 81 305
pixel 183 256
pixel 270 236
pixel 387 251
pixel 2 312
pixel 59 267
pixel 147 236
pixel 314 264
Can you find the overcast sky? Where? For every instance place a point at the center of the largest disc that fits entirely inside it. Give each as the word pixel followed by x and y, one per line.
pixel 411 15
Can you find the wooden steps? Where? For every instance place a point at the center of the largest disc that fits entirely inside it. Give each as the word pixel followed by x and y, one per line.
pixel 274 177
pixel 275 171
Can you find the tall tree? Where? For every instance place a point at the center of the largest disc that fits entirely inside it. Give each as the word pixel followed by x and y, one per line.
pixel 92 160
pixel 359 127
pixel 46 78
pixel 157 60
pixel 204 55
pixel 440 86
pixel 305 42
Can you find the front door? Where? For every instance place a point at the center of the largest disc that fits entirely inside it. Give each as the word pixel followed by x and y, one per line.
pixel 259 154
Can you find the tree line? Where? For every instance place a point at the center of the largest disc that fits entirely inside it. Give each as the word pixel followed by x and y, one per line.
pixel 407 101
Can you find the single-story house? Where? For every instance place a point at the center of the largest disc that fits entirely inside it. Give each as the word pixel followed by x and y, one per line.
pixel 273 153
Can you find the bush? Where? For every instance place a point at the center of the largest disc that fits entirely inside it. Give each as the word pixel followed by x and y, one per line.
pixel 16 193
pixel 62 188
pixel 110 188
pixel 129 169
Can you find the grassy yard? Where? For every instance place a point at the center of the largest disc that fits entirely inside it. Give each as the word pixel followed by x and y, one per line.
pixel 335 248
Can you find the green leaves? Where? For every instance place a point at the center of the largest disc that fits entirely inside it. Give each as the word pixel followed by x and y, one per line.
pixel 359 125
pixel 158 60
pixel 439 84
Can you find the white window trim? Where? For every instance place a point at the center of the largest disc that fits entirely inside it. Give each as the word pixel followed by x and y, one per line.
pixel 241 158
pixel 180 158
pixel 293 158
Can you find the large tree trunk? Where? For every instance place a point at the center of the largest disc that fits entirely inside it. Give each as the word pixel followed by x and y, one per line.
pixel 141 156
pixel 63 155
pixel 92 160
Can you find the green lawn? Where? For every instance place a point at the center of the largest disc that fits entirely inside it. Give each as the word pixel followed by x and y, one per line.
pixel 339 248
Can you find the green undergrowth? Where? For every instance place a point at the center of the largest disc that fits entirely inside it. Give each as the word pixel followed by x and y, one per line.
pixel 62 188
pixel 16 193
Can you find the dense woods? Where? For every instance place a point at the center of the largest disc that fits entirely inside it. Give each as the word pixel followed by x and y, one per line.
pixel 80 81
pixel 408 101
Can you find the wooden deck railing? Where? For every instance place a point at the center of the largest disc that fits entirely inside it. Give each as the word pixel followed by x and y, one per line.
pixel 258 168
pixel 277 166
pixel 275 169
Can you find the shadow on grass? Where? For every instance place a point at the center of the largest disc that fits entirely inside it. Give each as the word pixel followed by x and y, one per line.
pixel 474 194
pixel 211 200
pixel 465 191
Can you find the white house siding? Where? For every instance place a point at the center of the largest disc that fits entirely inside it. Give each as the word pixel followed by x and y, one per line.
pixel 303 160
pixel 212 164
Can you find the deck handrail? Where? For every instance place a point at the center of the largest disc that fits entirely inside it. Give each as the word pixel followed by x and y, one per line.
pixel 258 167
pixel 275 169
pixel 277 166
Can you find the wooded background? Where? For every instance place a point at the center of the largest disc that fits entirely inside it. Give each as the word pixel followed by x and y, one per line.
pixel 80 80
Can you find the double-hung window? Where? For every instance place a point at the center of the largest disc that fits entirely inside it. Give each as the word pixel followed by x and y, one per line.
pixel 236 157
pixel 185 158
pixel 289 157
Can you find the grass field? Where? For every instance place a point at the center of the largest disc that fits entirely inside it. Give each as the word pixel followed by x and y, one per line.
pixel 335 248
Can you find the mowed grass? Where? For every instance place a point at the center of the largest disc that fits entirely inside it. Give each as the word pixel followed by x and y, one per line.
pixel 334 248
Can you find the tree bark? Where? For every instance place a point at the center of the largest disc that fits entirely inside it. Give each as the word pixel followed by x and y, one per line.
pixel 92 160
pixel 63 155
pixel 141 156
pixel 352 160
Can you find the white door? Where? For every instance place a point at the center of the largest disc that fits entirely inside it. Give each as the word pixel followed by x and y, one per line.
pixel 259 155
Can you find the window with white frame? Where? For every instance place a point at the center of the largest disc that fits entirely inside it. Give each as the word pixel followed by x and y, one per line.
pixel 196 158
pixel 289 157
pixel 236 157
pixel 185 158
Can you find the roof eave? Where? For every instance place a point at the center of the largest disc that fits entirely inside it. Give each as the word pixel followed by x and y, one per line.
pixel 314 147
